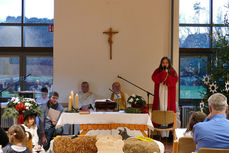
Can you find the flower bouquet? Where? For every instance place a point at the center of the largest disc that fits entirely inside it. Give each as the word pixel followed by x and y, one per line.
pixel 18 106
pixel 137 104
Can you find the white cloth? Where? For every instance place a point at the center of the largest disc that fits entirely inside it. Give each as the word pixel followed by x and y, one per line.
pixel 41 100
pixel 180 132
pixel 33 131
pixel 163 99
pixel 18 148
pixel 86 99
pixel 104 118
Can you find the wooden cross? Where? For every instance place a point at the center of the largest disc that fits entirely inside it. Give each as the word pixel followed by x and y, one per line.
pixel 110 33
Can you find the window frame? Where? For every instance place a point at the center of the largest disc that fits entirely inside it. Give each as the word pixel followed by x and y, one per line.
pixel 22 52
pixel 198 51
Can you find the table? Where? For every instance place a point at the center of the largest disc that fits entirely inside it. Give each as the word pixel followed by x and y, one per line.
pixel 107 120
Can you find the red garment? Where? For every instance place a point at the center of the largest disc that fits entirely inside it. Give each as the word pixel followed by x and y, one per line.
pixel 158 77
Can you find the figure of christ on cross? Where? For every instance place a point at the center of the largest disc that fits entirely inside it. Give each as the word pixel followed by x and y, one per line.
pixel 110 33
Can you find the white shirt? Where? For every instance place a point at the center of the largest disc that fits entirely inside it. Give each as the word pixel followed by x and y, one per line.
pixel 86 99
pixel 33 131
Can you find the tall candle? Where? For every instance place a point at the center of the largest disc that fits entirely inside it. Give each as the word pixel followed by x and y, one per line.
pixel 76 101
pixel 69 103
pixel 72 97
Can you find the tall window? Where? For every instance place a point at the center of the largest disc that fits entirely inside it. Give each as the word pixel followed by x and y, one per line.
pixel 199 20
pixel 26 45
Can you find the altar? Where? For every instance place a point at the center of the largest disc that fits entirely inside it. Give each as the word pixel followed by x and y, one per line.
pixel 107 121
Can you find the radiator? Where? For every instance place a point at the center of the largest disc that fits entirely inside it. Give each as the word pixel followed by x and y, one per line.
pixel 186 113
pixel 6 122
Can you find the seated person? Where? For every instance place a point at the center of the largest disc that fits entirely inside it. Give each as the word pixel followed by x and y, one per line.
pixel 44 96
pixel 195 118
pixel 86 98
pixel 47 126
pixel 17 139
pixel 30 126
pixel 214 131
pixel 119 96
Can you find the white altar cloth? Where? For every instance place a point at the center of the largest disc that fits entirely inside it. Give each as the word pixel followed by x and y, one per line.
pixel 105 118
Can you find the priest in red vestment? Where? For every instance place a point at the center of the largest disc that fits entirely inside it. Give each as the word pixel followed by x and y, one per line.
pixel 165 79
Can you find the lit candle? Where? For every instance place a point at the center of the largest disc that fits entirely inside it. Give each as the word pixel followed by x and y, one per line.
pixel 69 103
pixel 72 98
pixel 76 101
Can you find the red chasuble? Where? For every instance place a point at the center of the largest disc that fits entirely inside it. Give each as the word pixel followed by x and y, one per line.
pixel 171 80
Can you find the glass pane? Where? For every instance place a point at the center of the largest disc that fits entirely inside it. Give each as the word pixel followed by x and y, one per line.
pixel 194 37
pixel 220 11
pixel 189 68
pixel 9 75
pixel 221 33
pixel 37 36
pixel 10 36
pixel 10 11
pixel 41 70
pixel 194 11
pixel 39 11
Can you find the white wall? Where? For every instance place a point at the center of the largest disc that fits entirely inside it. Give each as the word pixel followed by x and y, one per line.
pixel 81 51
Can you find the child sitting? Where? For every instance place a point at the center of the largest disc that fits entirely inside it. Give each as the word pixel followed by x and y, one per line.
pixel 30 126
pixel 18 139
pixel 195 118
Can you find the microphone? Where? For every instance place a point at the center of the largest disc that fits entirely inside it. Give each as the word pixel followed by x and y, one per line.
pixel 119 77
pixel 111 90
pixel 28 75
pixel 90 107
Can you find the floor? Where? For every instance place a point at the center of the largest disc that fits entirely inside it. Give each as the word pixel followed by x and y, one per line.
pixel 168 147
pixel 168 143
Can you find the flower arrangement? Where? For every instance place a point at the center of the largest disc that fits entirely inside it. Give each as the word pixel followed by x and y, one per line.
pixel 136 100
pixel 137 104
pixel 18 106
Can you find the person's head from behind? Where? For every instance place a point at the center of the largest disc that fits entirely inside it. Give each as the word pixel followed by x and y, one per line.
pixel 116 87
pixel 85 87
pixel 53 98
pixel 196 117
pixel 165 63
pixel 217 104
pixel 44 92
pixel 30 119
pixel 16 135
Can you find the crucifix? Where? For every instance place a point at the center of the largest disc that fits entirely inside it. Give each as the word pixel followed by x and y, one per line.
pixel 110 33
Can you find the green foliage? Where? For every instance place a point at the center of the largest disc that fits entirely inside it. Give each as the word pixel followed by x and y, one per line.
pixel 10 112
pixel 218 68
pixel 133 110
pixel 26 104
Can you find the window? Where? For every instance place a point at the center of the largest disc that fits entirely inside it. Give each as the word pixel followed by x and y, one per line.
pixel 24 23
pixel 199 20
pixel 26 45
pixel 9 75
pixel 41 70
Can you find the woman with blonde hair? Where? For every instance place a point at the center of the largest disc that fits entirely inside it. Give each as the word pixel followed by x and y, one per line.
pixel 18 139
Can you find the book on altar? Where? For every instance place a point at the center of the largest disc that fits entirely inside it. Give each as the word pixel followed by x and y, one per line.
pixel 105 104
pixel 84 111
pixel 53 114
pixel 103 100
